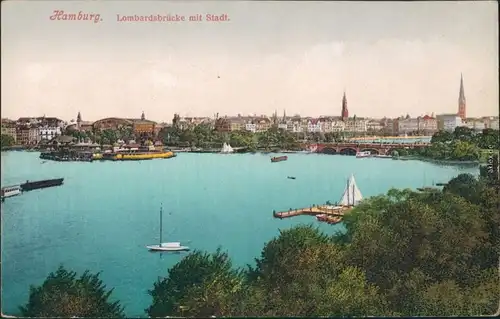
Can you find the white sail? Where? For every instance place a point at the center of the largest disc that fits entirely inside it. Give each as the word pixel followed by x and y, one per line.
pixel 352 194
pixel 226 148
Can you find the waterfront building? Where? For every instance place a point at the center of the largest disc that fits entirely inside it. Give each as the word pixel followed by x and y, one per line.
pixel 326 124
pixel 222 124
pixel 461 100
pixel 421 125
pixel 313 126
pixel 141 126
pixel 297 126
pixel 407 125
pixel 374 126
pixel 27 135
pixel 23 134
pixel 428 125
pixel 356 125
pixel 251 127
pixel 263 123
pixel 82 125
pixel 237 123
pixel 448 122
pixel 111 123
pixel 389 126
pixel 337 125
pixel 283 123
pixel 490 122
pixel 474 124
pixel 47 132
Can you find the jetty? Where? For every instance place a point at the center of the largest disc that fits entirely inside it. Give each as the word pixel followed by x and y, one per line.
pixel 331 214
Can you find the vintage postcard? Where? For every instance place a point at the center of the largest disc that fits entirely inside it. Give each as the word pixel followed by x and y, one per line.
pixel 249 159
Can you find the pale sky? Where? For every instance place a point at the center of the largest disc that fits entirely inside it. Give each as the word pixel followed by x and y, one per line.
pixel 392 58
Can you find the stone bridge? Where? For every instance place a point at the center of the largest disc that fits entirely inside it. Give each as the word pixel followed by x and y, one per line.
pixel 353 148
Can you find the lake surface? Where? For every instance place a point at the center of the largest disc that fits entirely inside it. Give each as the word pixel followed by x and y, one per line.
pixel 105 214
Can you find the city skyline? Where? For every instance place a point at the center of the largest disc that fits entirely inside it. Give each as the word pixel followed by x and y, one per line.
pixel 300 57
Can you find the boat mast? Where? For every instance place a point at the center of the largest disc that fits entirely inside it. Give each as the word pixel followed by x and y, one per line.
pixel 352 191
pixel 161 221
pixel 347 192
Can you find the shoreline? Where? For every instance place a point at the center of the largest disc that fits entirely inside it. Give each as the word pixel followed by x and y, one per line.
pixel 263 152
pixel 437 161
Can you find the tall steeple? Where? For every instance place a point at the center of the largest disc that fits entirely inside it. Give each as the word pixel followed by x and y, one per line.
pixel 143 117
pixel 461 100
pixel 345 111
pixel 78 120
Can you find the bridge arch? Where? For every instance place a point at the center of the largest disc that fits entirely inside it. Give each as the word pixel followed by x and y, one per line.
pixel 329 150
pixel 347 151
pixel 371 150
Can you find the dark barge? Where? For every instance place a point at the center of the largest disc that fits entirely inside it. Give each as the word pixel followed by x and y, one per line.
pixel 279 159
pixel 29 186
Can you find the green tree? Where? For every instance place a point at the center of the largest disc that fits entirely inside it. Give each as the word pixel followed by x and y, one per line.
pixel 463 150
pixel 64 295
pixel 464 134
pixel 489 139
pixel 301 265
pixel 6 140
pixel 200 285
pixel 442 136
pixel 393 235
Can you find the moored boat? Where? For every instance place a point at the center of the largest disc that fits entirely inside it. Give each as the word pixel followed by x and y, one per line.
pixel 28 186
pixel 278 159
pixel 363 154
pixel 131 155
pixel 227 149
pixel 172 246
pixel 10 191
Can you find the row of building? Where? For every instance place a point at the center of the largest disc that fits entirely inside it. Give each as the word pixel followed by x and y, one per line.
pixel 31 131
pixel 35 130
pixel 422 125
pixel 28 131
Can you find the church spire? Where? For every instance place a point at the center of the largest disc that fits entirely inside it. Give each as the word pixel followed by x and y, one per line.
pixel 461 99
pixel 143 117
pixel 345 111
pixel 78 117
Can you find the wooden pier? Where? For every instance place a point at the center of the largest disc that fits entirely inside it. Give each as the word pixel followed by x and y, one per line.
pixel 324 213
pixel 331 214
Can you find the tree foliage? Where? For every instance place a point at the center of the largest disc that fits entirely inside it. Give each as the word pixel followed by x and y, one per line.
pixel 6 140
pixel 64 295
pixel 200 285
pixel 463 144
pixel 203 135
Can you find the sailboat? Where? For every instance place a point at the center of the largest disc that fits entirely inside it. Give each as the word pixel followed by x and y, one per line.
pixel 172 246
pixel 352 195
pixel 226 149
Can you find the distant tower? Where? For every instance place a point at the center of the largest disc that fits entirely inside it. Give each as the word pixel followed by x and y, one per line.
pixel 78 120
pixel 284 116
pixel 143 117
pixel 345 111
pixel 461 100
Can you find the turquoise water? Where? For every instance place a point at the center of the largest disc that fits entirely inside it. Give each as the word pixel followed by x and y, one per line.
pixel 106 212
